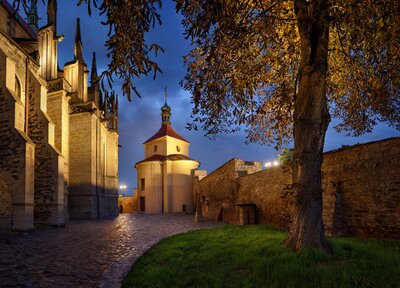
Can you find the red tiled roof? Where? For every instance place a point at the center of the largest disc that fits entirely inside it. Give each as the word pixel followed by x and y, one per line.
pixel 166 130
pixel 172 157
pixel 10 9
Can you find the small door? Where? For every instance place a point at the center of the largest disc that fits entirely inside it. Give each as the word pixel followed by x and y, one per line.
pixel 142 204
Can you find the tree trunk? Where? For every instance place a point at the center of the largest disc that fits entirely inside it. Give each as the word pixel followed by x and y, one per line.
pixel 311 120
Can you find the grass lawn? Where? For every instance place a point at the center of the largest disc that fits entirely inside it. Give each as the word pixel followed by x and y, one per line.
pixel 252 256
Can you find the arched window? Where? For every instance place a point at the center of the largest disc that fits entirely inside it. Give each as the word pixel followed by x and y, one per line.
pixel 17 87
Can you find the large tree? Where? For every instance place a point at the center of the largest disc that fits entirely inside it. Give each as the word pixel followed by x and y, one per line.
pixel 280 68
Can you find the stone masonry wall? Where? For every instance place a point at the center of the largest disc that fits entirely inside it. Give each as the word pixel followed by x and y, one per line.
pixel 58 111
pixel 361 192
pixel 271 191
pixel 83 199
pixel 216 193
pixel 47 200
pixel 362 189
pixel 112 172
pixel 6 205
pixel 15 162
pixel 127 204
pixel 93 190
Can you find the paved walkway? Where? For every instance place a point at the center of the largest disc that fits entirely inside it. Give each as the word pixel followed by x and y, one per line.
pixel 95 253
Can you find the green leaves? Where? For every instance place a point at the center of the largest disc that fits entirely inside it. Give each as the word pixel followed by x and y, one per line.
pixel 240 73
pixel 130 55
pixel 365 64
pixel 243 69
pixel 129 21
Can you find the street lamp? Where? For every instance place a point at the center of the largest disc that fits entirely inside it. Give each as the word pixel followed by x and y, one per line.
pixel 274 163
pixel 122 188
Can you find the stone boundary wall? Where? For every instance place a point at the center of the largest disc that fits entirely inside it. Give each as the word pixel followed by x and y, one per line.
pixel 361 192
pixel 127 204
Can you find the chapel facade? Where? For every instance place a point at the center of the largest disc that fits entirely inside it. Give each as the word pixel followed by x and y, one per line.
pixel 165 176
pixel 58 135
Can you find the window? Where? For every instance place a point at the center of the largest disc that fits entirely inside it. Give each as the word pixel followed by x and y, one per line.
pixel 142 184
pixel 155 149
pixel 178 148
pixel 17 87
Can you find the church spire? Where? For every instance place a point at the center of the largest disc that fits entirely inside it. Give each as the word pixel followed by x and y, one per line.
pixel 165 111
pixel 51 12
pixel 33 18
pixel 78 41
pixel 93 75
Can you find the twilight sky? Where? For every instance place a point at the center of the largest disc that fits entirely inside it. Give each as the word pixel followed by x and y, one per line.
pixel 140 119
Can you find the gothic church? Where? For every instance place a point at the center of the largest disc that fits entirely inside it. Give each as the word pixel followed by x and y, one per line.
pixel 58 137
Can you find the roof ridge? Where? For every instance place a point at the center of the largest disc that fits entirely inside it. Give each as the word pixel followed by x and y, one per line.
pixel 166 130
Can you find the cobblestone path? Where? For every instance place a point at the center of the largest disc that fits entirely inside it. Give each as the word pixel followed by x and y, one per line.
pixel 92 253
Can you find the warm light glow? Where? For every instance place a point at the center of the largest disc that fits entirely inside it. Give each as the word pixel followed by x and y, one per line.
pixel 122 187
pixel 272 163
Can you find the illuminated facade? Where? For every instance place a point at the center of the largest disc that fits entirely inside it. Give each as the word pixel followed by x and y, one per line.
pixel 165 181
pixel 59 137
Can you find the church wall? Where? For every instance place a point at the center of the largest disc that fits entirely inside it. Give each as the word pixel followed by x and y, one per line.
pixel 15 28
pixel 49 178
pixel 83 195
pixel 16 150
pixel 174 145
pixel 35 150
pixel 70 74
pixel 182 183
pixel 112 173
pixel 6 205
pixel 58 111
pixel 101 168
pixel 150 148
pixel 167 188
pixel 47 47
pixel 85 85
pixel 151 172
pixel 93 190
pixel 16 167
pixel 3 15
pixel 77 75
pixel 165 147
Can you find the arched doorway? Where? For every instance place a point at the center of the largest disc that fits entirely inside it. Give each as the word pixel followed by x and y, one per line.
pixel 6 206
